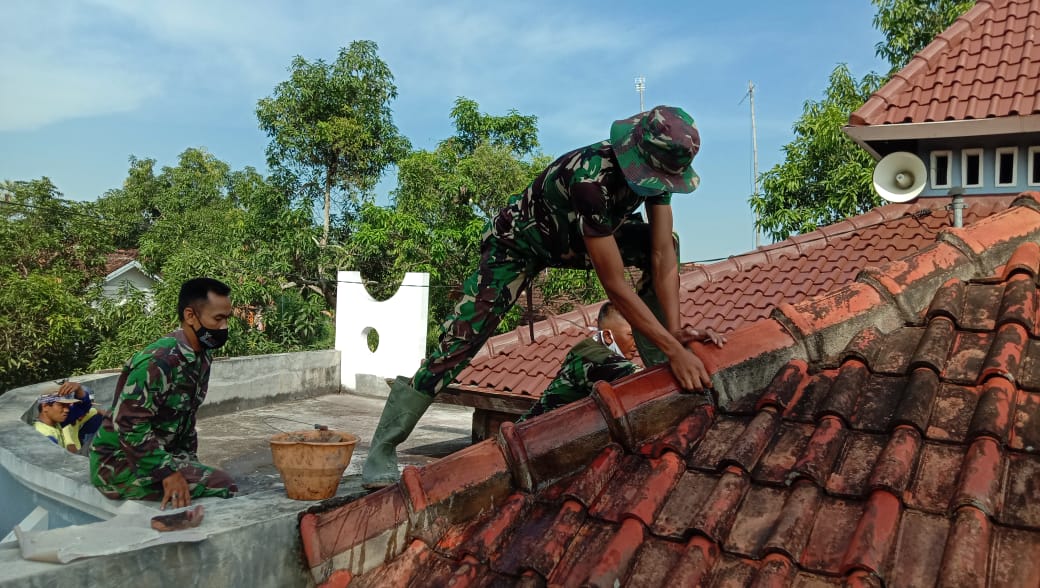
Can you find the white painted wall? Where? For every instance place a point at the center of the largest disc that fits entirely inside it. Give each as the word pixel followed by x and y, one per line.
pixel 113 286
pixel 399 321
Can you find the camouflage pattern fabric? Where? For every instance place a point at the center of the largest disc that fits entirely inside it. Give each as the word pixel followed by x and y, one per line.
pixel 656 150
pixel 494 287
pixel 202 481
pixel 151 433
pixel 586 363
pixel 582 194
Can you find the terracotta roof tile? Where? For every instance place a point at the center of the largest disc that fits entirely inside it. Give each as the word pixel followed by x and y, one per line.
pixel 854 468
pixel 973 70
pixel 118 259
pixel 742 289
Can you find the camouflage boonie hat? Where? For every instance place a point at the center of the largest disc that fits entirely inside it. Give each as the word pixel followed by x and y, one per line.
pixel 655 150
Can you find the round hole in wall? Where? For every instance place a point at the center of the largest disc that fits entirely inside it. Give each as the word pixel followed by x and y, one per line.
pixel 371 338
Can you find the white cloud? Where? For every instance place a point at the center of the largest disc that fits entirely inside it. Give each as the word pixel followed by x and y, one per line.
pixel 41 93
pixel 66 60
pixel 54 70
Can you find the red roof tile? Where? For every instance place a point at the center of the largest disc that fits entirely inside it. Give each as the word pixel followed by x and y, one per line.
pixel 983 66
pixel 740 290
pixel 818 460
pixel 118 259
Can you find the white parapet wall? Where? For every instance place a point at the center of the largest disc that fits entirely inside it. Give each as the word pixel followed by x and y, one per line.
pixel 399 321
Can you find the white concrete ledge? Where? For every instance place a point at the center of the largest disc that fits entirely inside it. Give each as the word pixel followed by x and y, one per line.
pixel 252 540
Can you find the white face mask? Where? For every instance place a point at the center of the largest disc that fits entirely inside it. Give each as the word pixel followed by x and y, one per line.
pixel 600 337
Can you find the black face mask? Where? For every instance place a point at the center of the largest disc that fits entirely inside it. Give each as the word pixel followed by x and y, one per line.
pixel 210 338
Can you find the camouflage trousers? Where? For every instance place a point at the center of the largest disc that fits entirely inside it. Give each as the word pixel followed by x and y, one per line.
pixel 490 291
pixel 586 363
pixel 117 482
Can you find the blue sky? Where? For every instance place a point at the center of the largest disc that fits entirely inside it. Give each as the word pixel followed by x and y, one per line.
pixel 87 83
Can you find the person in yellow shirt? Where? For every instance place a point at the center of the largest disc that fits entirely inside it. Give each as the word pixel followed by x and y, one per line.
pixel 53 410
pixel 83 416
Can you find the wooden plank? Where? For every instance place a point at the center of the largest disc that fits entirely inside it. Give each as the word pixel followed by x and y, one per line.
pixel 490 401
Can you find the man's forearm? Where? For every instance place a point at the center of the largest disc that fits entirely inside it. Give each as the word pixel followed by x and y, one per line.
pixel 664 264
pixel 642 319
pixel 666 286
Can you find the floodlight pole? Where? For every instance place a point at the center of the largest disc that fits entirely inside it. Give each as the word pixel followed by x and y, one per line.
pixel 641 87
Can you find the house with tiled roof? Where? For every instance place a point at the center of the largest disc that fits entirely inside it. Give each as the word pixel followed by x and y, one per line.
pixel 123 271
pixel 967 106
pixel 874 418
pixel 512 370
pixel 882 433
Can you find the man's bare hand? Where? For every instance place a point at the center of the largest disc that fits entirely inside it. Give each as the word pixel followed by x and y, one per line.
pixel 74 389
pixel 184 519
pixel 689 370
pixel 689 334
pixel 710 335
pixel 175 491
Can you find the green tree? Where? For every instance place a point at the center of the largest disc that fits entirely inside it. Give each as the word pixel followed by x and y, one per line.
pixel 236 226
pixel 331 125
pixel 54 250
pixel 473 128
pixel 825 176
pixel 443 200
pixel 132 209
pixel 910 25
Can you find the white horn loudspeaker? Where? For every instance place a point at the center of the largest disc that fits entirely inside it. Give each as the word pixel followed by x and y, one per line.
pixel 899 176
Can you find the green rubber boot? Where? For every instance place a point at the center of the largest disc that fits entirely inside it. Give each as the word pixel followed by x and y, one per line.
pixel 404 407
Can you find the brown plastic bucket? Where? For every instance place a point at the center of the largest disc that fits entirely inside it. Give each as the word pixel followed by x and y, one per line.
pixel 312 462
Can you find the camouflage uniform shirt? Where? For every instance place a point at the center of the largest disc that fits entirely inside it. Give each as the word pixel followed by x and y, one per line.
pixel 586 363
pixel 152 426
pixel 581 194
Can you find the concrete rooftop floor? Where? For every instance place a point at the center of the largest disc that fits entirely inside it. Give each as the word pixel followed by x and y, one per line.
pixel 238 442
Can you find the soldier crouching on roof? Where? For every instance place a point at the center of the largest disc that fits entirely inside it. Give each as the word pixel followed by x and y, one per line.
pixel 578 213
